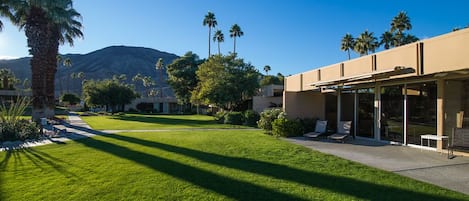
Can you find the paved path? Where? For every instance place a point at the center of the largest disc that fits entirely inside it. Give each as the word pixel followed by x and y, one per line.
pixel 423 165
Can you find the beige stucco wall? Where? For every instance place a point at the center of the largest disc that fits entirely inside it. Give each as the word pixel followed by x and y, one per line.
pixel 331 72
pixel 260 103
pixel 308 78
pixel 294 83
pixel 399 56
pixel 306 104
pixel 446 52
pixel 358 66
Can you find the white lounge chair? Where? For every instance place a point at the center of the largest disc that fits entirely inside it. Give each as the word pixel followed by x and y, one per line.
pixel 318 130
pixel 343 131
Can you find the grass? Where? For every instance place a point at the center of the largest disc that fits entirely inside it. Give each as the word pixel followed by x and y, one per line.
pixel 148 122
pixel 197 165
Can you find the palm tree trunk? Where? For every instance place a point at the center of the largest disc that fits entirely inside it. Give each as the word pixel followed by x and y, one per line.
pixel 219 48
pixel 209 36
pixel 42 40
pixel 348 51
pixel 234 46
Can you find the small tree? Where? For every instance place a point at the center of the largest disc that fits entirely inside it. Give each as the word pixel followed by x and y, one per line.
pixel 110 93
pixel 72 99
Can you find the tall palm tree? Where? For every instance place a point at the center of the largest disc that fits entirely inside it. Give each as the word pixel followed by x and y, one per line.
pixel 235 31
pixel 4 12
pixel 47 24
pixel 399 24
pixel 387 39
pixel 209 21
pixel 160 66
pixel 347 44
pixel 219 37
pixel 267 69
pixel 366 43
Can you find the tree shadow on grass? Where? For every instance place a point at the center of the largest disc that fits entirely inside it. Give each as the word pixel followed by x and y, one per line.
pixel 349 186
pixel 229 187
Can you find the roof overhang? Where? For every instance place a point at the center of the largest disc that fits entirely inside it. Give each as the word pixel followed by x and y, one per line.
pixel 382 74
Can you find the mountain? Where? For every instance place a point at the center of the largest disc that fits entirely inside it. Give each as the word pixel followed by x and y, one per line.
pixel 100 64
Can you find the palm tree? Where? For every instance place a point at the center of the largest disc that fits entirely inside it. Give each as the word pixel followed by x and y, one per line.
pixel 366 43
pixel 235 31
pixel 348 43
pixel 399 24
pixel 8 78
pixel 4 12
pixel 219 37
pixel 209 21
pixel 387 39
pixel 160 66
pixel 267 69
pixel 47 24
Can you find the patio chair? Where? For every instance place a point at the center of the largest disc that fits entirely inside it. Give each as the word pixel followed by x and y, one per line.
pixel 318 130
pixel 343 131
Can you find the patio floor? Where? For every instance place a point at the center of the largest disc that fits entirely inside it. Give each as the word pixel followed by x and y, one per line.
pixel 423 165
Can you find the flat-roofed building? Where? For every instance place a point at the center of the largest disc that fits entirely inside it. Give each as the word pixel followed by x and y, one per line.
pixel 396 95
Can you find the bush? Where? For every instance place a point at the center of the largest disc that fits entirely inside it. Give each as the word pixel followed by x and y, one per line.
pixel 234 118
pixel 220 116
pixel 267 117
pixel 308 124
pixel 145 107
pixel 250 118
pixel 12 127
pixel 72 99
pixel 283 127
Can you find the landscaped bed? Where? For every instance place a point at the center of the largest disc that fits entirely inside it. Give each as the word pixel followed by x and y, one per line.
pixel 197 165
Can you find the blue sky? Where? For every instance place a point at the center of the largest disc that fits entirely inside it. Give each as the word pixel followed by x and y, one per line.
pixel 291 36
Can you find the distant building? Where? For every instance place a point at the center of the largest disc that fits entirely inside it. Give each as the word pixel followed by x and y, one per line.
pixel 269 96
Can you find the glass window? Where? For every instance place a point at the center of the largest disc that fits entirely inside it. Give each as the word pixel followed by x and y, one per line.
pixel 365 114
pixel 392 113
pixel 421 107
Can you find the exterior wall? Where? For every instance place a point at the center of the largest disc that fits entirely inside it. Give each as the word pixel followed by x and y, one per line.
pixel 308 78
pixel 358 66
pixel 331 72
pixel 406 56
pixel 294 83
pixel 447 52
pixel 260 103
pixel 304 104
pixel 155 101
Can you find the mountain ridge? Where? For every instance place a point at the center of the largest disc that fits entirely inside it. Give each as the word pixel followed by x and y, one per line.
pixel 100 64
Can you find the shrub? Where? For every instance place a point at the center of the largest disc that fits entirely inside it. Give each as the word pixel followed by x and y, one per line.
pixel 267 117
pixel 72 99
pixel 12 127
pixel 308 124
pixel 220 116
pixel 251 117
pixel 283 127
pixel 145 107
pixel 234 118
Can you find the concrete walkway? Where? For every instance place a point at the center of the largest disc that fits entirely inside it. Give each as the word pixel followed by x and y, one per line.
pixel 428 166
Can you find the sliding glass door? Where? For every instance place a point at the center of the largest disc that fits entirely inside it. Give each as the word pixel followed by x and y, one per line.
pixel 365 112
pixel 392 113
pixel 421 106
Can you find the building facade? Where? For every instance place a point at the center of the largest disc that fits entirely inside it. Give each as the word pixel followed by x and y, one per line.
pixel 395 95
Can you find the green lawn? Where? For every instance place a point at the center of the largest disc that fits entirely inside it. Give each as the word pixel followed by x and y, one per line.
pixel 148 122
pixel 197 165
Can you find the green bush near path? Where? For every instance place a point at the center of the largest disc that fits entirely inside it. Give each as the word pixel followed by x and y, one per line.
pixel 197 165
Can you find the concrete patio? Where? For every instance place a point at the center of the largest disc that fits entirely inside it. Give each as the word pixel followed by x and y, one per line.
pixel 428 166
